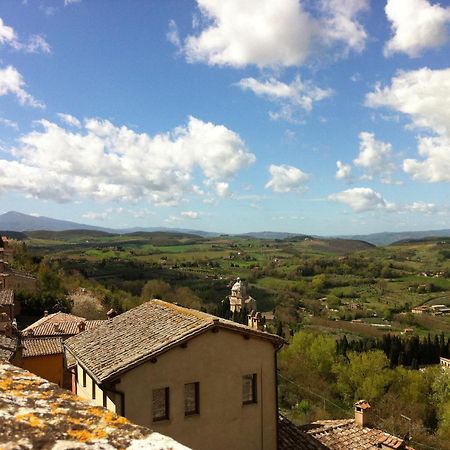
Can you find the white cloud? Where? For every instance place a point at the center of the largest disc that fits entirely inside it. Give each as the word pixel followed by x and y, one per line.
pixel 91 215
pixel 71 2
pixel 11 82
pixel 222 188
pixel 416 25
pixel 435 166
pixel 7 34
pixel 362 199
pixel 36 43
pixel 423 96
pixel 340 24
pixel 191 214
pixel 106 162
pixel 9 123
pixel 344 171
pixel 69 120
pixel 374 157
pixel 421 207
pixel 271 33
pixel 172 35
pixel 298 95
pixel 286 178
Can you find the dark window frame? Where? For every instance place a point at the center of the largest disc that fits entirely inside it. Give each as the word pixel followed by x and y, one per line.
pixel 166 416
pixel 105 400
pixel 93 389
pixel 254 398
pixel 196 411
pixel 84 377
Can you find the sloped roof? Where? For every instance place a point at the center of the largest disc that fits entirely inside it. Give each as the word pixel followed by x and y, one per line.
pixel 41 346
pixel 291 437
pixel 8 346
pixel 141 333
pixel 59 324
pixel 347 435
pixel 6 297
pixel 37 414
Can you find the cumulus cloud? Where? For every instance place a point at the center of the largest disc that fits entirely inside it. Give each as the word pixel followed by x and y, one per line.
pixel 286 178
pixel 362 199
pixel 191 214
pixel 270 33
pixel 423 96
pixel 374 157
pixel 298 95
pixel 35 44
pixel 435 165
pixel 69 120
pixel 12 82
pixel 341 25
pixel 106 162
pixel 416 26
pixel 344 171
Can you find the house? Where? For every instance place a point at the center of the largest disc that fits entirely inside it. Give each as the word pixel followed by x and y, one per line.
pixel 419 309
pixel 42 416
pixel 205 381
pixel 445 363
pixel 341 434
pixel 8 304
pixel 41 350
pixel 15 279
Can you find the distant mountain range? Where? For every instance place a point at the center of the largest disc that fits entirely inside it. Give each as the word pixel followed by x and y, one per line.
pixel 16 221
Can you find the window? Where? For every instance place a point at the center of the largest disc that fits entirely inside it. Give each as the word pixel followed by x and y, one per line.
pixel 84 378
pixel 249 389
pixel 105 400
pixel 93 389
pixel 191 399
pixel 160 404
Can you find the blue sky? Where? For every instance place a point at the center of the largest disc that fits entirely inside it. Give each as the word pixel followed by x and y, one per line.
pixel 323 117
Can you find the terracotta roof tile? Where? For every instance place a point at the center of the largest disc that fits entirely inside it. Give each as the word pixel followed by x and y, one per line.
pixel 59 324
pixel 6 297
pixel 41 346
pixel 290 437
pixel 8 346
pixel 141 333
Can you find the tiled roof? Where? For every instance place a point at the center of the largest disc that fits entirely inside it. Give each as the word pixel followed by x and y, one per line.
pixel 59 324
pixel 36 414
pixel 141 333
pixel 290 437
pixel 8 346
pixel 6 297
pixel 347 435
pixel 41 346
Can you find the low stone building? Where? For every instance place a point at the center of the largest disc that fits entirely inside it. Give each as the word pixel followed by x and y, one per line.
pixel 8 304
pixel 341 434
pixel 41 349
pixel 205 381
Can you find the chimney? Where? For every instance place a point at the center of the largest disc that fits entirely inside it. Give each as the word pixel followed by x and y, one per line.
pixel 81 326
pixel 45 313
pixel 362 413
pixel 111 313
pixel 256 321
pixel 56 327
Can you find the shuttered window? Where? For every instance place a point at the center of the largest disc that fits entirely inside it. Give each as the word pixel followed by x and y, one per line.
pixel 160 404
pixel 249 389
pixel 191 399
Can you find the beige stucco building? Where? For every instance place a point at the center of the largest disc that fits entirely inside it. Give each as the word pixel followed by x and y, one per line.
pixel 240 299
pixel 207 382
